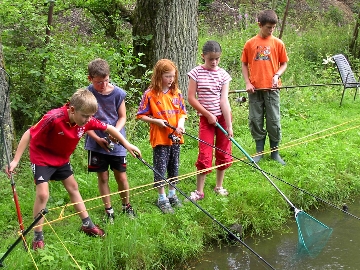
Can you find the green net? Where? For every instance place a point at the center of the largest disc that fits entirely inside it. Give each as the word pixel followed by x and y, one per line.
pixel 313 235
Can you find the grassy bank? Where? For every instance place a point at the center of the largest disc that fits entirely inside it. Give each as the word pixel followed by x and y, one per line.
pixel 323 163
pixel 320 142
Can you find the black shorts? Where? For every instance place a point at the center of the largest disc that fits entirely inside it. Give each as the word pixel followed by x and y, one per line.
pixel 46 173
pixel 98 162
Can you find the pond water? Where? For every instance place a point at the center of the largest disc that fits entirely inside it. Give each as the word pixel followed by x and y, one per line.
pixel 342 251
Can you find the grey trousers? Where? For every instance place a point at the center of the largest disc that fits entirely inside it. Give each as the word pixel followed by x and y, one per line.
pixel 265 104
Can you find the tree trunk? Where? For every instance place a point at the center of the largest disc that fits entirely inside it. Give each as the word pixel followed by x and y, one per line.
pixel 354 44
pixel 166 29
pixel 6 126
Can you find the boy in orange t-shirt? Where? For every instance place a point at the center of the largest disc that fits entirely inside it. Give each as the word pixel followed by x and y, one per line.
pixel 264 59
pixel 163 103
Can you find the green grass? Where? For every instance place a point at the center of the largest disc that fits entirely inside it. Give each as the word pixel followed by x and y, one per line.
pixel 319 145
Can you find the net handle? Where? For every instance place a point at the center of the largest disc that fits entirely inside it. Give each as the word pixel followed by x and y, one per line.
pixel 258 167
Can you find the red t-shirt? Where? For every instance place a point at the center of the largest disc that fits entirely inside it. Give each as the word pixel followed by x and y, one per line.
pixel 54 138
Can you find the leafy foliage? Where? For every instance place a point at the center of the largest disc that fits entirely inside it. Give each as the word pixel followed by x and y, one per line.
pixel 324 166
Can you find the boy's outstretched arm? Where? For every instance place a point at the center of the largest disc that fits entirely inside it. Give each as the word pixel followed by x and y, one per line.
pixel 25 139
pixel 134 151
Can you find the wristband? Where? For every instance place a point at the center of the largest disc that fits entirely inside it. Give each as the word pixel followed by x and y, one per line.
pixel 277 74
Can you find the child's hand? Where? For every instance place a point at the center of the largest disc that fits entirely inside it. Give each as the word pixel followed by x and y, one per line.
pixel 159 122
pixel 230 132
pixel 9 170
pixel 103 143
pixel 180 130
pixel 134 151
pixel 275 82
pixel 250 88
pixel 211 119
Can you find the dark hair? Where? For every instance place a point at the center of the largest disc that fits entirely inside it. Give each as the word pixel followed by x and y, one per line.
pixel 211 46
pixel 267 16
pixel 98 67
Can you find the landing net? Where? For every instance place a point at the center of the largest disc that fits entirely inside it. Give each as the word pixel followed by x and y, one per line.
pixel 313 235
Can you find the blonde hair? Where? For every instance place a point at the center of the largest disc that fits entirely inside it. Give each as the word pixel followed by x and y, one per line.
pixel 83 100
pixel 163 66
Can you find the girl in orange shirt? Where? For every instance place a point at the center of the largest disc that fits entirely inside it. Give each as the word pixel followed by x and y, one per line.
pixel 163 103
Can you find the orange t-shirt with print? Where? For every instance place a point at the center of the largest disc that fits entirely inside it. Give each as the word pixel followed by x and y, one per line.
pixel 263 56
pixel 167 106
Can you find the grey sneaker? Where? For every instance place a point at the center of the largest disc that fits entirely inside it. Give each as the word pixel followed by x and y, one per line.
pixel 165 206
pixel 175 201
pixel 109 218
pixel 129 211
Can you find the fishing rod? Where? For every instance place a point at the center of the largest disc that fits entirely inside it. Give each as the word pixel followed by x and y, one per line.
pixel 36 220
pixel 203 210
pixel 286 87
pixel 293 208
pixel 313 234
pixel 12 182
pixel 344 209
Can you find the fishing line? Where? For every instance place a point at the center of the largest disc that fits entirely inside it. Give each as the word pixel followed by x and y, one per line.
pixel 321 131
pixel 285 87
pixel 197 172
pixel 278 178
pixel 203 210
pixel 62 243
pixel 41 214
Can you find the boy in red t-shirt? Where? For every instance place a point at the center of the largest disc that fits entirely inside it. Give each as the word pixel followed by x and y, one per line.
pixel 52 140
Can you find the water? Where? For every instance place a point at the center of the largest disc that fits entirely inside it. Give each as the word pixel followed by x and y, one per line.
pixel 280 249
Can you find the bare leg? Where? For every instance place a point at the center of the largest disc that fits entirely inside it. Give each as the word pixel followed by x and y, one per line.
pixel 42 196
pixel 71 187
pixel 220 177
pixel 200 182
pixel 123 185
pixel 104 189
pixel 161 190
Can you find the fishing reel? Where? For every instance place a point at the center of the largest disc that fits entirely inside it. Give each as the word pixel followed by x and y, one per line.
pixel 110 144
pixel 240 100
pixel 175 139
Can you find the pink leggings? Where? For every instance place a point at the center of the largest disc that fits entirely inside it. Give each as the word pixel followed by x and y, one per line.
pixel 208 133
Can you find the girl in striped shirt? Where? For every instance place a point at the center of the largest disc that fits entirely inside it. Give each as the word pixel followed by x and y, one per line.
pixel 208 94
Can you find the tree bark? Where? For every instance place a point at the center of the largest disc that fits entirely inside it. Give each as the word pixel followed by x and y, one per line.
pixel 166 29
pixel 354 44
pixel 6 126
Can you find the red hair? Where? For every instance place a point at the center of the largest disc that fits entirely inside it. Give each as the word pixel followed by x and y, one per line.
pixel 163 66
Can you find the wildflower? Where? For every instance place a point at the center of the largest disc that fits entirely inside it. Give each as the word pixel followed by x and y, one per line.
pixel 328 60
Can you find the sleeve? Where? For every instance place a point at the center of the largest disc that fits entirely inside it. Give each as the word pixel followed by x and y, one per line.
pixel 193 74
pixel 144 107
pixel 283 54
pixel 183 112
pixel 226 77
pixel 45 123
pixel 95 124
pixel 244 55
